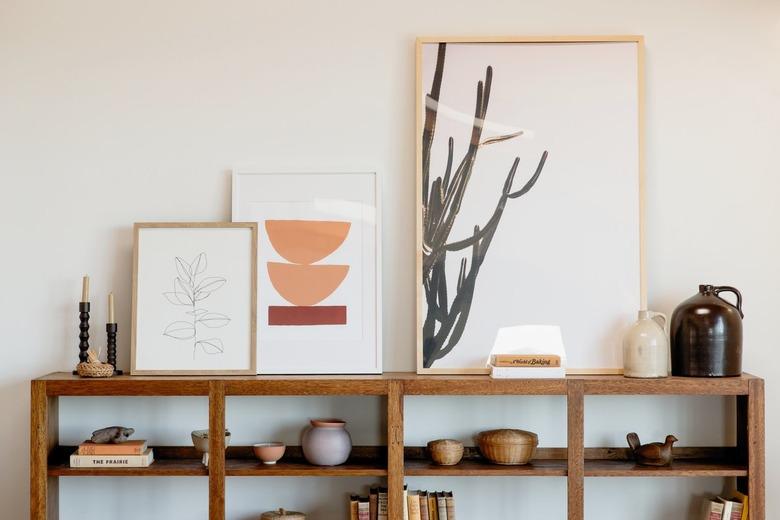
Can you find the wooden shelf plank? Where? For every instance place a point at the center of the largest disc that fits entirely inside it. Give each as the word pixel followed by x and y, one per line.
pixel 481 468
pixel 301 468
pixel 619 385
pixel 593 468
pixel 63 383
pixel 298 468
pixel 479 385
pixel 364 461
pixel 307 385
pixel 681 468
pixel 159 468
pixel 169 461
pixel 70 385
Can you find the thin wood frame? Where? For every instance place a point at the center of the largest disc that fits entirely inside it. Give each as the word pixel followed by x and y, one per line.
pixel 639 40
pixel 252 226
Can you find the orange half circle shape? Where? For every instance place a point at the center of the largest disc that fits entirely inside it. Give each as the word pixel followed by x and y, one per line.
pixel 305 285
pixel 306 241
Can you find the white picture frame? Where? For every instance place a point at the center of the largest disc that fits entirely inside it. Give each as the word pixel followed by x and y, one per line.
pixel 194 297
pixel 319 303
pixel 563 254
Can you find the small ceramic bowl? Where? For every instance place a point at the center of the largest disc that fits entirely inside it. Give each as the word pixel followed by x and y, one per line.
pixel 200 439
pixel 269 452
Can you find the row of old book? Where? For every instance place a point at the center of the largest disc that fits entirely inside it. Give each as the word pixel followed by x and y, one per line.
pixel 419 505
pixel 129 454
pixel 733 508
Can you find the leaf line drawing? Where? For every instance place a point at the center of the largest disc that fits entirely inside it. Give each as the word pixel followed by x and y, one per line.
pixel 190 287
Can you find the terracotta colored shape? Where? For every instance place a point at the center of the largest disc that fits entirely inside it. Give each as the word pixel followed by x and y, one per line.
pixel 306 284
pixel 306 241
pixel 315 315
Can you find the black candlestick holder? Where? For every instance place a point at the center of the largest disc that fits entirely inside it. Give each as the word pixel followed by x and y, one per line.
pixel 83 332
pixel 111 329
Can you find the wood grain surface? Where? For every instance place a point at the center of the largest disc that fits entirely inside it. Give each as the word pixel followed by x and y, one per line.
pixel 393 460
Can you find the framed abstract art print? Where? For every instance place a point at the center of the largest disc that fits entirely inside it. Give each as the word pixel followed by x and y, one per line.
pixel 318 308
pixel 529 195
pixel 194 294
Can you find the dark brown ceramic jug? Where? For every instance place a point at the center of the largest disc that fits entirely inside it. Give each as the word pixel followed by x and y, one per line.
pixel 706 334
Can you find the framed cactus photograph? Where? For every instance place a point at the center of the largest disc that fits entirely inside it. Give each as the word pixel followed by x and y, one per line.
pixel 194 298
pixel 529 195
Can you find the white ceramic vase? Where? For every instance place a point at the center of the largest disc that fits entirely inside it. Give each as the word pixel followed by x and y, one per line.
pixel 326 442
pixel 646 347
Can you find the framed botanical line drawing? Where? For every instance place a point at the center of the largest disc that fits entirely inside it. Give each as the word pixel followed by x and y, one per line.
pixel 194 297
pixel 529 195
pixel 318 269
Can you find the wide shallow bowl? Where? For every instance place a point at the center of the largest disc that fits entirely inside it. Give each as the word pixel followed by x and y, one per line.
pixel 446 452
pixel 269 452
pixel 507 446
pixel 306 285
pixel 282 514
pixel 306 241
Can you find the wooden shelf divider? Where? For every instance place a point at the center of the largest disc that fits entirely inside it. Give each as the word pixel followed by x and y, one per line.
pixel 395 450
pixel 393 461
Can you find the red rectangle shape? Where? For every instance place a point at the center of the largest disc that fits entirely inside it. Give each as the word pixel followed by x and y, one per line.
pixel 314 315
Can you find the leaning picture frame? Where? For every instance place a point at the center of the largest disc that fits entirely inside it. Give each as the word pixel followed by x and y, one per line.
pixel 194 297
pixel 319 269
pixel 529 195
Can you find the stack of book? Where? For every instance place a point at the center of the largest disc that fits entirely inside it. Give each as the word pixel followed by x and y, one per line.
pixel 528 352
pixel 129 454
pixel 720 508
pixel 418 505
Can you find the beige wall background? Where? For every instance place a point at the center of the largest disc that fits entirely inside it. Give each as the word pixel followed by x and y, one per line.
pixel 116 112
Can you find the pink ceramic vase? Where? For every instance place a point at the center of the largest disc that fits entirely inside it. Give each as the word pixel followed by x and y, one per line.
pixel 326 442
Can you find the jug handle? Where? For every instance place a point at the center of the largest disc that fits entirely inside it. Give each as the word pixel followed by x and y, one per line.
pixel 661 319
pixel 733 290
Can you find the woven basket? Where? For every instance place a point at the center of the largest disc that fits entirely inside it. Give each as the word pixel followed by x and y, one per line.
pixel 95 369
pixel 446 452
pixel 510 447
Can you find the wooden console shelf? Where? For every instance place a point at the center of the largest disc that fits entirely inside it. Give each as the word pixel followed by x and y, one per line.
pixel 394 461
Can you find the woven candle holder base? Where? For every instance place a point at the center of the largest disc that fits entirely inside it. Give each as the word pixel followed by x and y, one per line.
pixel 95 369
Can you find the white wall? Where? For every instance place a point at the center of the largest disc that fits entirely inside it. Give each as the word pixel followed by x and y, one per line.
pixel 115 112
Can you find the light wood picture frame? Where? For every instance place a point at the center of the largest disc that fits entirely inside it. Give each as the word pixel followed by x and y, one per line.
pixel 194 298
pixel 535 98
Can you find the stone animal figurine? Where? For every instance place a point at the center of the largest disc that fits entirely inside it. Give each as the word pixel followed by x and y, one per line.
pixel 111 435
pixel 654 453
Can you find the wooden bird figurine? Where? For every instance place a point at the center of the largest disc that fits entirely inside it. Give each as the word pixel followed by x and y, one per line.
pixel 654 453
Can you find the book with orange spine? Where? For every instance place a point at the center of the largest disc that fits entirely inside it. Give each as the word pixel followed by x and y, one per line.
pixel 525 360
pixel 136 447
